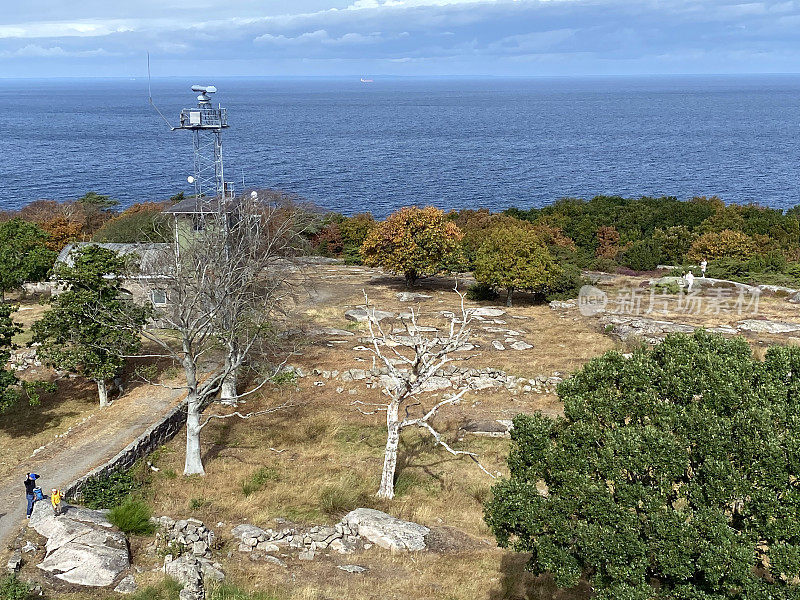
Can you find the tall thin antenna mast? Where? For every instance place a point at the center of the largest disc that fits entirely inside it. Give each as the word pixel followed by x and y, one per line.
pixel 150 95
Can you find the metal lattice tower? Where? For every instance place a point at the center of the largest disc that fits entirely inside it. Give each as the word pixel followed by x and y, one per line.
pixel 206 124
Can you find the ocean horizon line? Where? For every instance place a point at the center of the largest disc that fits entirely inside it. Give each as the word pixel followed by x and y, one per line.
pixel 395 77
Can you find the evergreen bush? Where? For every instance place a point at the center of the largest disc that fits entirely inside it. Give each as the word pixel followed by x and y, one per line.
pixel 672 475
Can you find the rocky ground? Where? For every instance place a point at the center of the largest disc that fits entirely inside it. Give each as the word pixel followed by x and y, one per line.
pixel 287 505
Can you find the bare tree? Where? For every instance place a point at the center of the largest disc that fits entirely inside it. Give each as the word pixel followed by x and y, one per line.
pixel 228 287
pixel 412 358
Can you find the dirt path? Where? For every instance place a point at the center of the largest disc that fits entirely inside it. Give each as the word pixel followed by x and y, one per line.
pixel 86 447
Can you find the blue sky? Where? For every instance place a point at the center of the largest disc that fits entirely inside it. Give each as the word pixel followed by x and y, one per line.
pixel 47 38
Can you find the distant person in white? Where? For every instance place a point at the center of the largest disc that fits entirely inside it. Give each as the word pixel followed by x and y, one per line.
pixel 703 266
pixel 689 281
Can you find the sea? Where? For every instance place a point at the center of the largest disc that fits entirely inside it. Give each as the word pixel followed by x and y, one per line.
pixel 353 146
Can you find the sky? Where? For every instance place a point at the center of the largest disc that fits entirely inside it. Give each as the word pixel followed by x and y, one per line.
pixel 373 38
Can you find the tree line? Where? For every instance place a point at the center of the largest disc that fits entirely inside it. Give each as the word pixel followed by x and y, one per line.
pixel 672 474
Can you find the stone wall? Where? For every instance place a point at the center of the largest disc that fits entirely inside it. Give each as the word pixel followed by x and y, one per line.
pixel 155 436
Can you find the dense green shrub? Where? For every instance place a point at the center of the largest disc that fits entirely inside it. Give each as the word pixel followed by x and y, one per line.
pixel 566 284
pixel 11 588
pixel 669 287
pixel 132 516
pixel 145 222
pixel 642 255
pixel 109 490
pixel 674 243
pixel 480 292
pixel 605 265
pixel 672 475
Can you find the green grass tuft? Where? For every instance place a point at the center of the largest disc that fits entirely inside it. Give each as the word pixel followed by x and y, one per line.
pixel 12 588
pixel 132 517
pixel 259 480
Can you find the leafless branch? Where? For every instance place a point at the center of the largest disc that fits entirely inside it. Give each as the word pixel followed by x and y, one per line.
pixel 249 415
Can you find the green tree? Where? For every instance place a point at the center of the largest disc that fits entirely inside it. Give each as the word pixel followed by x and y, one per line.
pixel 144 222
pixel 514 258
pixel 95 201
pixel 414 242
pixel 642 255
pixel 725 244
pixel 87 328
pixel 674 243
pixel 672 475
pixel 9 384
pixel 23 254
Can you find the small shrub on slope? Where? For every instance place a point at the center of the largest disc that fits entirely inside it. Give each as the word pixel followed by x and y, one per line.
pixel 132 516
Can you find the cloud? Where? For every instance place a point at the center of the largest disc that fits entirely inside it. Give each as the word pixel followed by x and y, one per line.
pixel 319 37
pixel 550 35
pixel 36 51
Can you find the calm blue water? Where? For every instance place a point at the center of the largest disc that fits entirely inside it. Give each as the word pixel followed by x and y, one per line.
pixel 351 147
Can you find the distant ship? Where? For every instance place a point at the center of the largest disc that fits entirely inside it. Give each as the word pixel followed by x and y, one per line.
pixel 364 80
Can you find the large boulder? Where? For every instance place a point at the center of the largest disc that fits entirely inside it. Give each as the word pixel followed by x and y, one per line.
pixel 82 546
pixel 385 530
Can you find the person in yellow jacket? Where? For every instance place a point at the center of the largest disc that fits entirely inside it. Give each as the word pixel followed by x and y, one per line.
pixel 55 500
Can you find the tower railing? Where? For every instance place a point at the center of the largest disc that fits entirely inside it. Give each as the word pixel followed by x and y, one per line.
pixel 204 118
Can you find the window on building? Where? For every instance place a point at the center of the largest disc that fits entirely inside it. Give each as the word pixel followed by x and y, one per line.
pixel 158 297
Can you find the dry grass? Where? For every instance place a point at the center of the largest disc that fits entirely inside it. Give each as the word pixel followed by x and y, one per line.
pixel 314 462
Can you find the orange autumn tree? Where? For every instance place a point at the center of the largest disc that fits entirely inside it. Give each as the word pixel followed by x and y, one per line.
pixel 608 242
pixel 414 242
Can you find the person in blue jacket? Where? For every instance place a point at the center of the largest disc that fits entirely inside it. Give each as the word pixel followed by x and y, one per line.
pixel 30 483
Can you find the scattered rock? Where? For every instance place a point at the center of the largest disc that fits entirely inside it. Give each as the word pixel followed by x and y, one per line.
pixel 497 428
pixel 486 312
pixel 360 315
pixel 185 536
pixel 437 383
pixel 562 305
pixel 332 331
pixel 187 568
pixel 274 560
pixel 649 330
pixel 386 531
pixel 778 289
pixel 14 563
pixel 412 297
pixel 498 345
pixel 30 547
pixel 126 586
pixel 352 568
pixel 520 345
pixel 767 326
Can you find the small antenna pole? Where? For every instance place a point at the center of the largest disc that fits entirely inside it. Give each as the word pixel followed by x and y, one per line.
pixel 150 95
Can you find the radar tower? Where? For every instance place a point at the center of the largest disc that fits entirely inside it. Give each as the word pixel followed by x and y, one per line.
pixel 206 123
